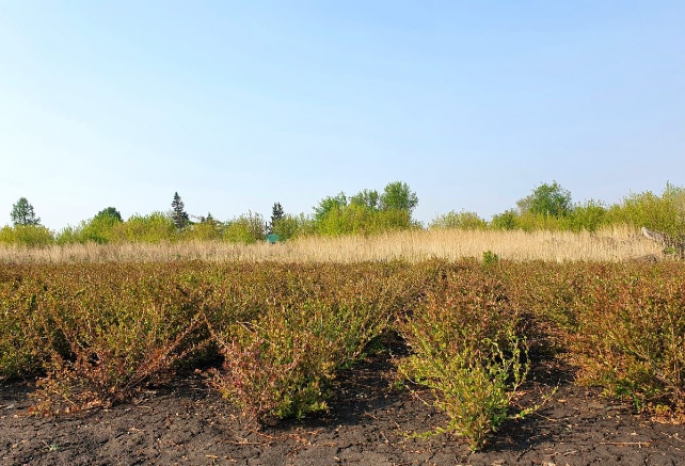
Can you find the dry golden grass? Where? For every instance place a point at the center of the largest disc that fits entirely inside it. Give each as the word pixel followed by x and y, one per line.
pixel 617 244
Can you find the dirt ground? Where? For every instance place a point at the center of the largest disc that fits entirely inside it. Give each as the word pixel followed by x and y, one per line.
pixel 187 424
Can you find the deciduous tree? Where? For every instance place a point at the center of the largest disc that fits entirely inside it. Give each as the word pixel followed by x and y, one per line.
pixel 547 199
pixel 399 196
pixel 111 214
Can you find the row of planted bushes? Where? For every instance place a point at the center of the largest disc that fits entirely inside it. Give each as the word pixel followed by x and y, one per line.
pixel 100 332
pixel 278 334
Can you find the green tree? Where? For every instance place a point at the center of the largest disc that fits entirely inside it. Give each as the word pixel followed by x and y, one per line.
pixel 179 215
pixel 588 216
pixel 370 199
pixel 209 219
pixel 329 204
pixel 111 214
pixel 507 220
pixel 247 229
pixel 276 216
pixel 399 196
pixel 23 214
pixel 99 228
pixel 547 199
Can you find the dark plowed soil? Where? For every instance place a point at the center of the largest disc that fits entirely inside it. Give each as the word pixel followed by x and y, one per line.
pixel 187 424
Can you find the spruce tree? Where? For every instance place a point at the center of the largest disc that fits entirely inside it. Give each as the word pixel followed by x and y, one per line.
pixel 179 215
pixel 276 215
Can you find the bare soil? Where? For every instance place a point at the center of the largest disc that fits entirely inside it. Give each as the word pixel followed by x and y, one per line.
pixel 188 424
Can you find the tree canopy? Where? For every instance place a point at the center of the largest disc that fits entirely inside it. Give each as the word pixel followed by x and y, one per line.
pixel 399 196
pixel 111 214
pixel 23 213
pixel 547 199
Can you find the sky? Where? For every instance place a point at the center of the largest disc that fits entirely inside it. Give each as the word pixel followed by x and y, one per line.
pixel 237 105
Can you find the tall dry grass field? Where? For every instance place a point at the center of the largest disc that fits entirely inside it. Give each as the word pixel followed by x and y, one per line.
pixel 613 245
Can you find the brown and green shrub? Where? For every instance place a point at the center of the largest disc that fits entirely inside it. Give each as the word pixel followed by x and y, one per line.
pixel 630 334
pixel 467 351
pixel 96 333
pixel 314 321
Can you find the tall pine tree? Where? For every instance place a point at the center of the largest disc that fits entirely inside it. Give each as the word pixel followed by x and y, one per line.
pixel 276 215
pixel 181 219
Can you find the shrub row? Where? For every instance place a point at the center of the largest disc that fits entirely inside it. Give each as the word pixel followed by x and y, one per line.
pixel 95 334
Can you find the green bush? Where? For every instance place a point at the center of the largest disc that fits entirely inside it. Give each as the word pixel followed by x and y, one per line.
pixel 357 219
pixel 466 350
pixel 153 228
pixel 589 216
pixel 490 258
pixel 474 387
pixel 246 229
pixel 507 220
pixel 462 220
pixel 26 235
pixel 665 213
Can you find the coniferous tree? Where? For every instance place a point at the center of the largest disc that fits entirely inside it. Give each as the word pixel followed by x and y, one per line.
pixel 23 214
pixel 179 215
pixel 276 216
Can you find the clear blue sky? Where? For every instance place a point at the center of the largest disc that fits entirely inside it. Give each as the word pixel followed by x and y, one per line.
pixel 237 105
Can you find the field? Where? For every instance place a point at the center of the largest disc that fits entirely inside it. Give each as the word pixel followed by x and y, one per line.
pixel 612 245
pixel 415 348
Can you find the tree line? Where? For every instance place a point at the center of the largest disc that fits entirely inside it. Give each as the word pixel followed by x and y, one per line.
pixel 548 207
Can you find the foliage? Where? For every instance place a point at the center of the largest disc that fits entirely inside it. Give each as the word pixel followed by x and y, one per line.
pixel 111 214
pixel 23 214
pixel 26 235
pixel 398 196
pixel 276 216
pixel 369 199
pixel 665 213
pixel 328 205
pixel 630 336
pixel 467 351
pixel 179 215
pixel 356 219
pixel 548 200
pixel 291 226
pixel 621 324
pixel 101 332
pixel 589 216
pixel 246 229
pixel 547 208
pixel 100 228
pixel 367 212
pixel 281 362
pixel 152 228
pixel 463 220
pixel 508 220
pixel 475 389
pixel 98 333
pixel 490 258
